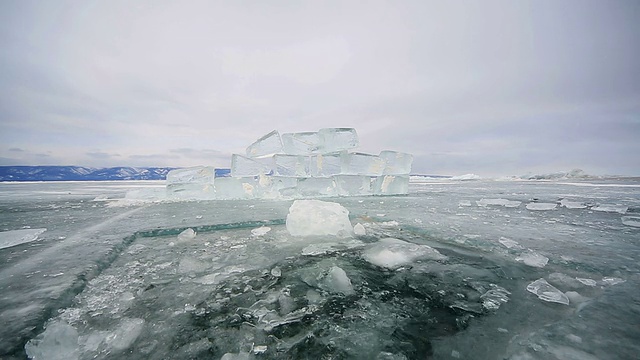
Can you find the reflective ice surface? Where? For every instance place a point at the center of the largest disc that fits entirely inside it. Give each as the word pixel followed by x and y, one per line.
pixel 468 273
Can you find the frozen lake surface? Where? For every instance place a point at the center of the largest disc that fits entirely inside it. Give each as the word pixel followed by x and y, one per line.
pixel 455 270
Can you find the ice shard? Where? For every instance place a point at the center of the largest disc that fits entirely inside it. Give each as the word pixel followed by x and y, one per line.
pixel 267 145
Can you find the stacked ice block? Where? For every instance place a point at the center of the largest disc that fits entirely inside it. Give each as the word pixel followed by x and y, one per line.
pixel 299 165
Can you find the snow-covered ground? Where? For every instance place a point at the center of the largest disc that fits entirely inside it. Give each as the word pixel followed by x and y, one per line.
pixel 478 269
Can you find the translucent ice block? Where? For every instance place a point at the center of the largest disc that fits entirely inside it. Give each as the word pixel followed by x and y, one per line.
pixel 391 185
pixel 397 163
pixel 362 164
pixel 325 165
pixel 228 188
pixel 276 187
pixel 190 191
pixel 267 145
pixel 302 143
pixel 196 174
pixel 291 165
pixel 338 139
pixel 244 166
pixel 353 185
pixel 318 218
pixel 317 186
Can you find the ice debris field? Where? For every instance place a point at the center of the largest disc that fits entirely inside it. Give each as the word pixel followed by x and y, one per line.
pixel 298 165
pixel 452 269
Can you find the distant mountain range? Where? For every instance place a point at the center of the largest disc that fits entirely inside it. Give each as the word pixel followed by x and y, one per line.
pixel 80 173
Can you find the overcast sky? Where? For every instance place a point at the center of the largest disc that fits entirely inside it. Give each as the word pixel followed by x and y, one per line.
pixel 485 87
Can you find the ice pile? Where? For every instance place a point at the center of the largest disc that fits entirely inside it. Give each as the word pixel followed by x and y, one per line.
pixel 298 165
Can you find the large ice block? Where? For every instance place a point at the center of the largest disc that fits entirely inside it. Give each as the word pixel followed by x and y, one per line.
pixel 196 174
pixel 244 166
pixel 228 188
pixel 301 143
pixel 362 164
pixel 265 146
pixel 317 187
pixel 353 185
pixel 325 165
pixel 291 165
pixel 318 218
pixel 396 163
pixel 190 191
pixel 276 187
pixel 391 185
pixel 337 139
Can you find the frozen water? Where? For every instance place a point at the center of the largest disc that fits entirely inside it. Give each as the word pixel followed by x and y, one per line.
pixel 338 139
pixel 392 253
pixel 396 163
pixel 103 270
pixel 244 166
pixel 631 221
pixel 291 165
pixel 546 292
pixel 509 243
pixel 262 230
pixel 391 185
pixel 621 209
pixel 362 164
pixel 533 259
pixel 58 342
pixel 325 165
pixel 267 145
pixel 337 281
pixel 353 185
pixel 196 174
pixel 499 202
pixel 572 204
pixel 535 206
pixel 301 143
pixel 17 237
pixel 318 218
pixel 466 177
pixel 187 235
pixel 359 230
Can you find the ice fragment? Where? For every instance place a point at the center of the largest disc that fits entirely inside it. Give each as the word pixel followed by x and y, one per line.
pixel 631 221
pixel 315 217
pixel 186 235
pixel 540 206
pixel 392 253
pixel 533 259
pixel 359 230
pixel 546 292
pixel 59 341
pixel 16 237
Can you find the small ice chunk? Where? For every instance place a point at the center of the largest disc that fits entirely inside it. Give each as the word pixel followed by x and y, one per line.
pixel 546 292
pixel 244 166
pixel 621 209
pixel 534 206
pixel 267 145
pixel 315 217
pixel 186 235
pixel 533 259
pixel 362 164
pixel 260 349
pixel 396 163
pixel 276 272
pixel 262 230
pixel 236 356
pixel 291 165
pixel 492 299
pixel 588 282
pixel 59 341
pixel 391 185
pixel 353 185
pixel 631 221
pixel 464 203
pixel 317 187
pixel 337 281
pixel 325 165
pixel 498 202
pixel 301 143
pixel 338 139
pixel 359 230
pixel 17 237
pixel 572 204
pixel 466 177
pixel 612 281
pixel 392 253
pixel 509 244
